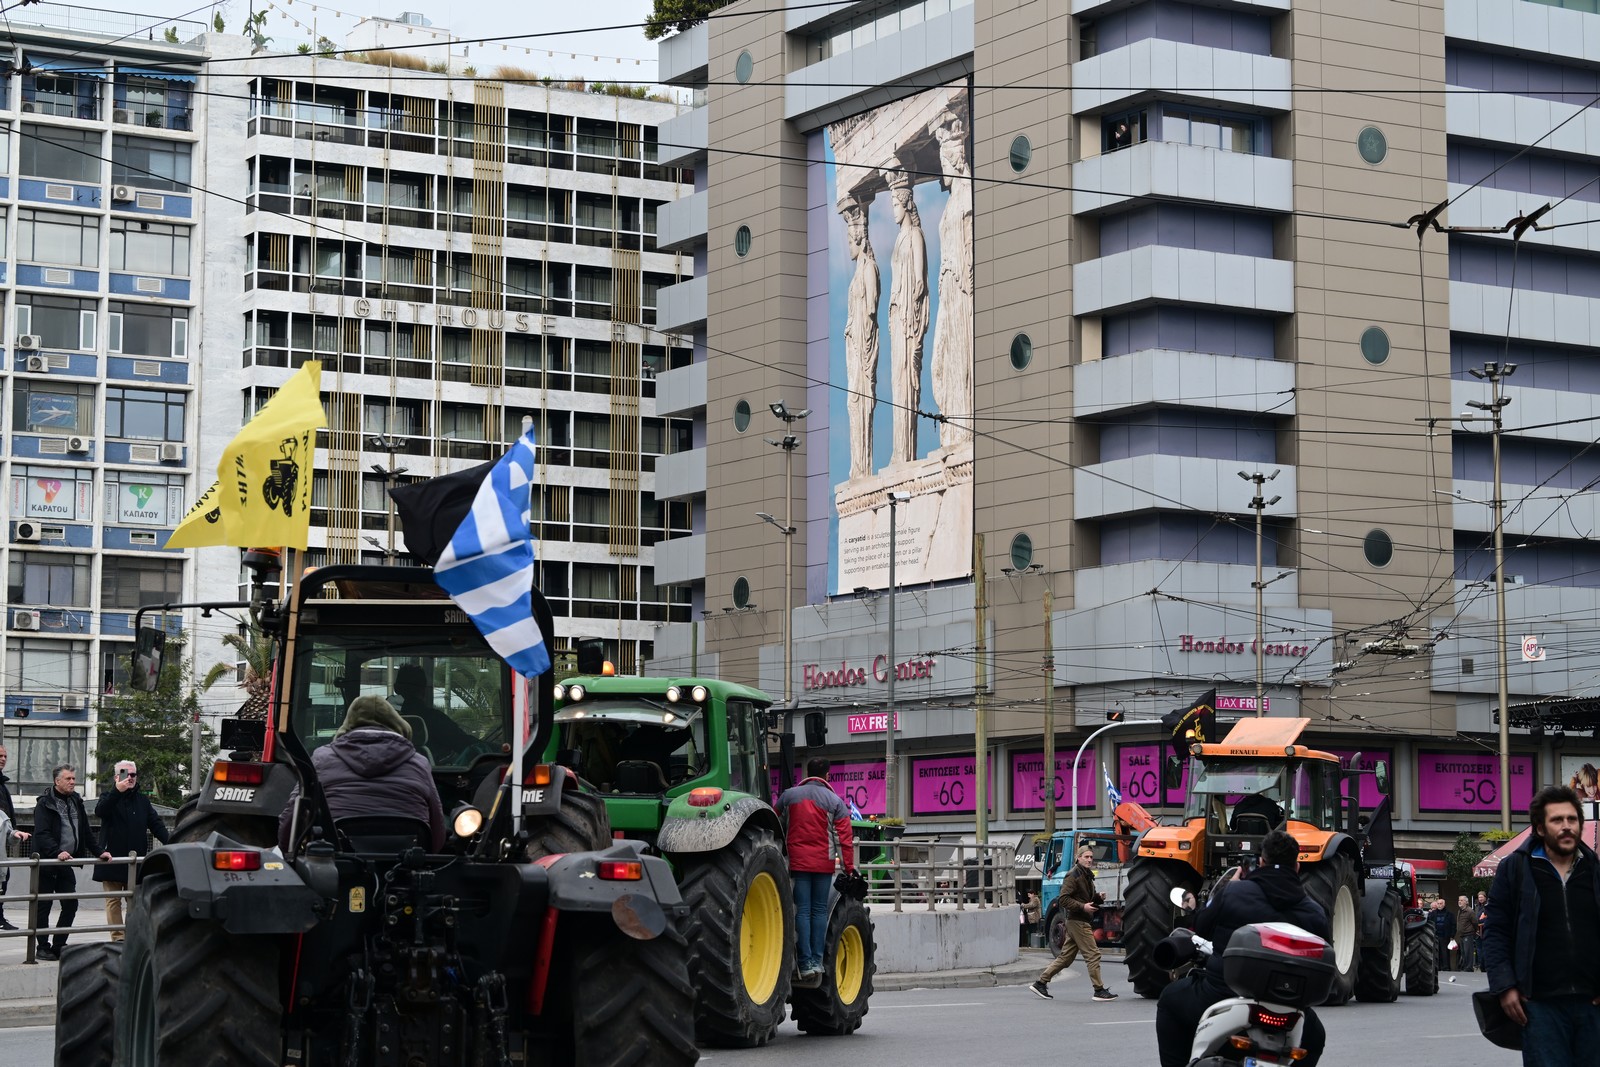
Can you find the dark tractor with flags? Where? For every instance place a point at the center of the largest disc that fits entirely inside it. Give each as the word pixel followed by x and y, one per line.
pixel 1260 778
pixel 682 766
pixel 532 937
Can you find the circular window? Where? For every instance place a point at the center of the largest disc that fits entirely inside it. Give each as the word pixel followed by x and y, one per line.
pixel 1021 154
pixel 1373 145
pixel 743 67
pixel 741 416
pixel 1374 345
pixel 1378 548
pixel 1021 351
pixel 1021 552
pixel 741 592
pixel 741 241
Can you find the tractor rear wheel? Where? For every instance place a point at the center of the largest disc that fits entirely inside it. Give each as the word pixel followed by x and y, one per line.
pixel 632 1003
pixel 741 939
pixel 1422 960
pixel 840 1003
pixel 191 824
pixel 1148 916
pixel 86 1004
pixel 580 825
pixel 1332 884
pixel 192 994
pixel 1378 976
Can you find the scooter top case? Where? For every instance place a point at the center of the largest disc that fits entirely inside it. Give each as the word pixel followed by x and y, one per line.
pixel 1279 963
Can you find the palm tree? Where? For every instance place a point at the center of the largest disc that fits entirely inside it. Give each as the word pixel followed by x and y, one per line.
pixel 258 652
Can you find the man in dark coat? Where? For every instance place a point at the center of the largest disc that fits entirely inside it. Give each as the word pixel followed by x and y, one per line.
pixel 127 820
pixel 1079 899
pixel 8 822
pixel 1271 893
pixel 1541 933
pixel 372 768
pixel 61 831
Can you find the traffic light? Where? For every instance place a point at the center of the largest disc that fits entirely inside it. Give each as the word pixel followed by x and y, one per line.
pixel 1114 715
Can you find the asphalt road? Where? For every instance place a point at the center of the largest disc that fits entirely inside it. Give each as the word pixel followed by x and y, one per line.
pixel 1009 1025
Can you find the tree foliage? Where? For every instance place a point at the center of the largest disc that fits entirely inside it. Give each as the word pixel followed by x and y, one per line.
pixel 153 730
pixel 671 16
pixel 1465 854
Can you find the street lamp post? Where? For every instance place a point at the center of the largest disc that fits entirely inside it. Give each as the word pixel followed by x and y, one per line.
pixel 1072 771
pixel 1260 505
pixel 891 776
pixel 788 443
pixel 390 444
pixel 1496 374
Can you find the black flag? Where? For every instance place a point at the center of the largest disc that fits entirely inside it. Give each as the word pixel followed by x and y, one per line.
pixel 1196 723
pixel 431 510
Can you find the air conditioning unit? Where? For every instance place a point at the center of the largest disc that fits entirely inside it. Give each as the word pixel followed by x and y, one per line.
pixel 74 702
pixel 27 532
pixel 122 194
pixel 39 364
pixel 122 115
pixel 29 342
pixel 29 107
pixel 78 444
pixel 171 452
pixel 24 620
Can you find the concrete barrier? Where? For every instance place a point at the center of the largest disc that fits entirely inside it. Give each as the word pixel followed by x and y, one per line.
pixel 918 940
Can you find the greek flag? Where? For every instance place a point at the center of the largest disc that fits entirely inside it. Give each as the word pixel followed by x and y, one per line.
pixel 1113 794
pixel 487 568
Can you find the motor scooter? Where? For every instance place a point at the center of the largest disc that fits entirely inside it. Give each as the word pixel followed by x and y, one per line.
pixel 1278 971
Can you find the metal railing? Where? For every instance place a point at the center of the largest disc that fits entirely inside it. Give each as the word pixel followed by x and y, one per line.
pixel 920 871
pixel 33 898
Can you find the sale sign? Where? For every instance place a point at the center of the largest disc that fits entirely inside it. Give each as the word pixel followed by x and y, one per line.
pixel 1138 775
pixel 861 785
pixel 1470 782
pixel 947 785
pixel 1029 781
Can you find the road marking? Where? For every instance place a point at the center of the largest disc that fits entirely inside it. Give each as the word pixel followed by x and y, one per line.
pixel 959 1004
pixel 1118 1022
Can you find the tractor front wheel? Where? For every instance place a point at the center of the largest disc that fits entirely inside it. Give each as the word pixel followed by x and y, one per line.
pixel 580 825
pixel 86 1004
pixel 840 1003
pixel 1378 977
pixel 1332 884
pixel 741 938
pixel 1422 960
pixel 1148 916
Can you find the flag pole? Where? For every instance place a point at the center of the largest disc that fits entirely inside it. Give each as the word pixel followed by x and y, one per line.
pixel 519 733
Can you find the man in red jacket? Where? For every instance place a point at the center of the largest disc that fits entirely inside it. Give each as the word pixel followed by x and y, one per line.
pixel 816 823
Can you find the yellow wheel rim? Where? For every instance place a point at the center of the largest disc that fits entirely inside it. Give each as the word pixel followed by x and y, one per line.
pixel 761 938
pixel 849 965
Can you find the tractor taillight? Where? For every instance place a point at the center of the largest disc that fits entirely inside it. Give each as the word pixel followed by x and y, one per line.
pixel 704 797
pixel 236 860
pixel 238 773
pixel 621 871
pixel 539 774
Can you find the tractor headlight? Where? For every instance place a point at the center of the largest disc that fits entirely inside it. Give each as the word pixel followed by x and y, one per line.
pixel 699 694
pixel 575 692
pixel 468 821
pixel 674 694
pixel 560 692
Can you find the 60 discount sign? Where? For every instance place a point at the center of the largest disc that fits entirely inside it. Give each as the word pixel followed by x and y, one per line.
pixel 1470 781
pixel 1139 775
pixel 947 785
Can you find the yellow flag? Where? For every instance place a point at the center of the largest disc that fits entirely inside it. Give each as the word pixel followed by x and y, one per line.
pixel 203 525
pixel 266 471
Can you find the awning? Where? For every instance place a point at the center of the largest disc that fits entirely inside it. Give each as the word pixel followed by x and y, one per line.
pixel 78 68
pixel 1590 835
pixel 165 75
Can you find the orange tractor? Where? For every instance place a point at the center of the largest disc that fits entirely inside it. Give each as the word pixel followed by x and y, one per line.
pixel 1257 779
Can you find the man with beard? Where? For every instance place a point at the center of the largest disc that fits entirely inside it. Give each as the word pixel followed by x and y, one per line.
pixel 1541 935
pixel 1271 893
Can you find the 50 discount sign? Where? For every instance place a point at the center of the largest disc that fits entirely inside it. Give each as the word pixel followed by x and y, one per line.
pixel 1029 782
pixel 1470 781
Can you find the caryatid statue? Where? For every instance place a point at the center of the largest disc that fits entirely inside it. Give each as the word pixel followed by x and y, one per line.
pixel 952 334
pixel 908 316
pixel 861 337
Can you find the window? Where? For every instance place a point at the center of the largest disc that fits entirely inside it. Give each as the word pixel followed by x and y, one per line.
pixel 137 498
pixel 150 248
pixel 1229 133
pixel 159 103
pixel 39 407
pixel 149 163
pixel 148 330
pixel 37 750
pixel 46 666
pixel 68 155
pixel 53 237
pixel 48 579
pixel 594 581
pixel 64 494
pixel 461 422
pixel 144 414
pixel 1123 131
pixel 747 747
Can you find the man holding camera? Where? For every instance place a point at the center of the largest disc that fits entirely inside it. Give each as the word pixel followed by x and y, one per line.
pixel 127 819
pixel 1081 901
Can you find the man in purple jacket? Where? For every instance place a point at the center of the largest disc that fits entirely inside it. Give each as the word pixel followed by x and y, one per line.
pixel 372 768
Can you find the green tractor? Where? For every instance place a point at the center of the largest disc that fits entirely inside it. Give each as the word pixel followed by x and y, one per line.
pixel 682 765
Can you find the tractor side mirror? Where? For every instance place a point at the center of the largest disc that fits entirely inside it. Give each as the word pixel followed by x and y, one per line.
pixel 816 729
pixel 145 671
pixel 1380 776
pixel 1172 772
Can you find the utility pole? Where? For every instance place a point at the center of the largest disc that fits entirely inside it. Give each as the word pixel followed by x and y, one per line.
pixel 1496 374
pixel 1259 505
pixel 891 777
pixel 1049 715
pixel 789 442
pixel 980 733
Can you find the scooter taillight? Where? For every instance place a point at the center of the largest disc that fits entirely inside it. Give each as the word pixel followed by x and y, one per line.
pixel 1272 1020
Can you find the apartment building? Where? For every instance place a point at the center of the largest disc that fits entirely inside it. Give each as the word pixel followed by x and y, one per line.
pixel 1089 308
